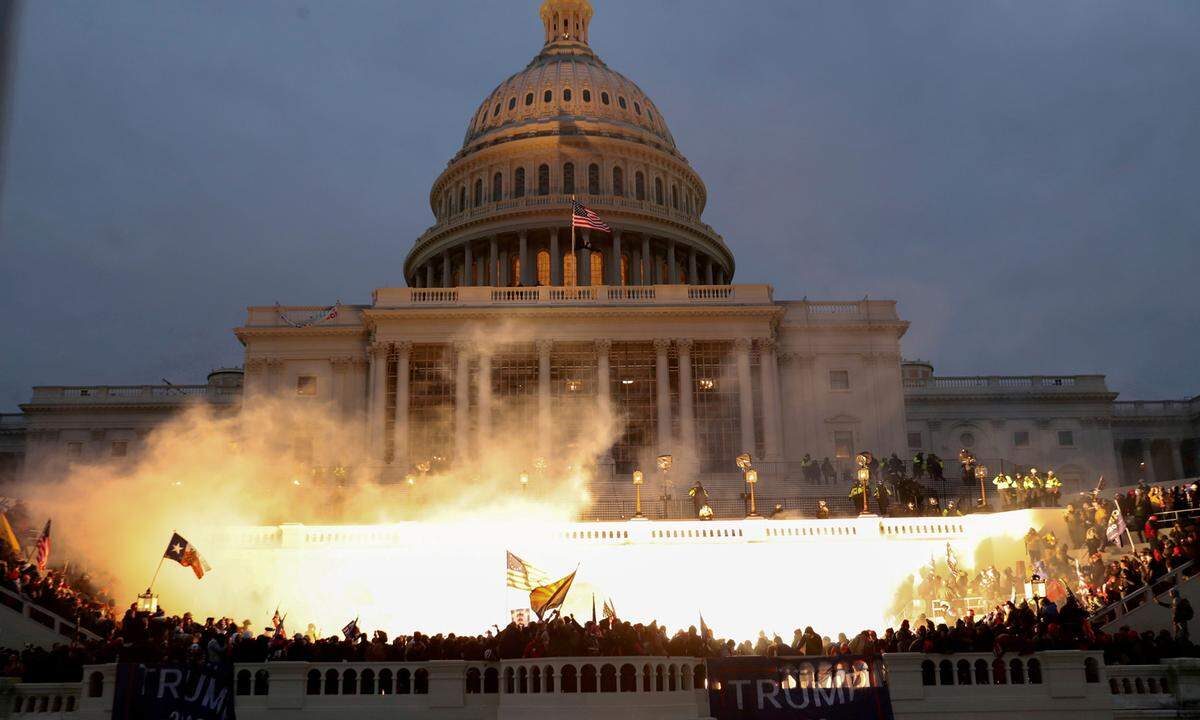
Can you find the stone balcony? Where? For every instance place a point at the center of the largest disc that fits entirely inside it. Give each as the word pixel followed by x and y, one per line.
pixel 1173 409
pixel 998 385
pixel 165 395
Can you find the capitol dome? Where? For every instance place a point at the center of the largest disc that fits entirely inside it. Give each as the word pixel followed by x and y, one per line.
pixel 567 126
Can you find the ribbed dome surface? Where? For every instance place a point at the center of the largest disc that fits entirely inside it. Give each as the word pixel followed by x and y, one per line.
pixel 580 87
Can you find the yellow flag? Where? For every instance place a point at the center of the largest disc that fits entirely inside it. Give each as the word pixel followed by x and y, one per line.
pixel 548 597
pixel 8 535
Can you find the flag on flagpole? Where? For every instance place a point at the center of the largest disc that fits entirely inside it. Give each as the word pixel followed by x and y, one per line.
pixel 522 575
pixel 186 554
pixel 550 597
pixel 594 609
pixel 582 217
pixel 9 536
pixel 43 548
pixel 952 561
pixel 610 612
pixel 703 628
pixel 351 630
pixel 1116 526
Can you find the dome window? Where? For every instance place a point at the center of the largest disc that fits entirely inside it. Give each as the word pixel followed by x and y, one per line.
pixel 477 195
pixel 587 95
pixel 593 179
pixel 649 115
pixel 543 180
pixel 618 182
pixel 519 183
pixel 639 185
pixel 548 96
pixel 528 99
pixel 512 103
pixel 637 108
pixel 604 98
pixel 497 187
pixel 567 95
pixel 658 191
pixel 621 101
pixel 568 179
pixel 496 111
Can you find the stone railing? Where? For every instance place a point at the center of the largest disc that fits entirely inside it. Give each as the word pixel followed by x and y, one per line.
pixel 117 394
pixel 64 630
pixel 12 421
pixel 563 202
pixel 1155 408
pixel 1049 684
pixel 483 296
pixel 1006 384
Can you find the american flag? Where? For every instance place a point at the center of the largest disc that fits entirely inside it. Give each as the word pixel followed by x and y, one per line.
pixel 43 548
pixel 522 575
pixel 584 218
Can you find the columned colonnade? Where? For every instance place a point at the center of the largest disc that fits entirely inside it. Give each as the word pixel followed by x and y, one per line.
pixel 626 259
pixel 388 396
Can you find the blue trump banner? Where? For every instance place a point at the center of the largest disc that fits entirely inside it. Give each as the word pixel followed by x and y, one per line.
pixel 173 692
pixel 798 688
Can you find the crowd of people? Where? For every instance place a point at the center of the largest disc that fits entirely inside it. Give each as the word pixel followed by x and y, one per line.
pixel 956 610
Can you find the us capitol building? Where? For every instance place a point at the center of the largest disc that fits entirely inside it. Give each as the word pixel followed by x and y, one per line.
pixel 496 312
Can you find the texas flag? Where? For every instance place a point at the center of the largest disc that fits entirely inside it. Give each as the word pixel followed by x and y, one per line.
pixel 186 554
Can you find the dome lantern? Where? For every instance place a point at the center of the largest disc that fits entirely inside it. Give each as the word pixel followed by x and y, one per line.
pixel 566 20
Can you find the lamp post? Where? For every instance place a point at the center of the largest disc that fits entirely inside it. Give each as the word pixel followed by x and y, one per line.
pixel 752 480
pixel 524 481
pixel 981 473
pixel 863 460
pixel 638 478
pixel 664 463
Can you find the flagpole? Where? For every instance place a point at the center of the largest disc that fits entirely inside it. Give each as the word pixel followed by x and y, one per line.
pixel 573 258
pixel 153 579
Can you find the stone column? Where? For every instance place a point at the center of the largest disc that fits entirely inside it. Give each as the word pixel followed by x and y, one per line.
pixel 400 428
pixel 708 274
pixel 662 383
pixel 556 266
pixel 692 278
pixel 647 272
pixel 1176 450
pixel 378 359
pixel 523 258
pixel 603 385
pixel 468 265
pixel 446 276
pixel 1148 472
pixel 772 423
pixel 583 261
pixel 504 270
pixel 429 274
pixel 672 267
pixel 485 399
pixel 615 276
pixel 494 261
pixel 741 348
pixel 635 267
pixel 657 268
pixel 462 399
pixel 340 400
pixel 687 416
pixel 543 350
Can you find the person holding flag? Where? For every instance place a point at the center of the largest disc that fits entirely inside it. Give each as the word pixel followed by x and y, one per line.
pixel 351 630
pixel 550 597
pixel 186 554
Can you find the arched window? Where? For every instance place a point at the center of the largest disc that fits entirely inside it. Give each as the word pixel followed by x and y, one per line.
pixel 568 178
pixel 368 682
pixel 999 672
pixel 514 274
pixel 519 183
pixel 1035 672
pixel 512 103
pixel 637 108
pixel 569 684
pixel 587 679
pixel 313 686
pixel 597 268
pixel 567 95
pixel 658 191
pixel 621 101
pixel 649 115
pixel 543 179
pixel 594 179
pixel 474 681
pixel 688 206
pixel 587 95
pixel 262 682
pixel 496 111
pixel 350 683
pixel 421 682
pixel 639 185
pixel 628 678
pixel 928 676
pixel 543 267
pixel 675 197
pixel 604 98
pixel 242 685
pixel 608 678
pixel 403 682
pixel 618 183
pixel 528 99
pixel 331 682
pixel 497 187
pixel 570 277
pixel 548 96
pixel 945 673
pixel 478 192
pixel 385 682
pixel 462 198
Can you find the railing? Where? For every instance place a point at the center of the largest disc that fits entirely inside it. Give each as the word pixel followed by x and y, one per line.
pixel 42 699
pixel 1143 595
pixel 1155 408
pixel 1003 383
pixel 12 421
pixel 158 394
pixel 40 615
pixel 492 209
pixel 475 296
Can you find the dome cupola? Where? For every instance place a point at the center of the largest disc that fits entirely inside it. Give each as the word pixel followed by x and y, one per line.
pixel 566 20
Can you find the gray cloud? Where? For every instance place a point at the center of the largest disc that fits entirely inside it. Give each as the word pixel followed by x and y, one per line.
pixel 1019 175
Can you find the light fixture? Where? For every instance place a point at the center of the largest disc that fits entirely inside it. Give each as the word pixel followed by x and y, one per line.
pixel 573 385
pixel 752 476
pixel 707 383
pixel 743 461
pixel 864 474
pixel 410 479
pixel 147 602
pixel 524 480
pixel 638 478
pixel 626 381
